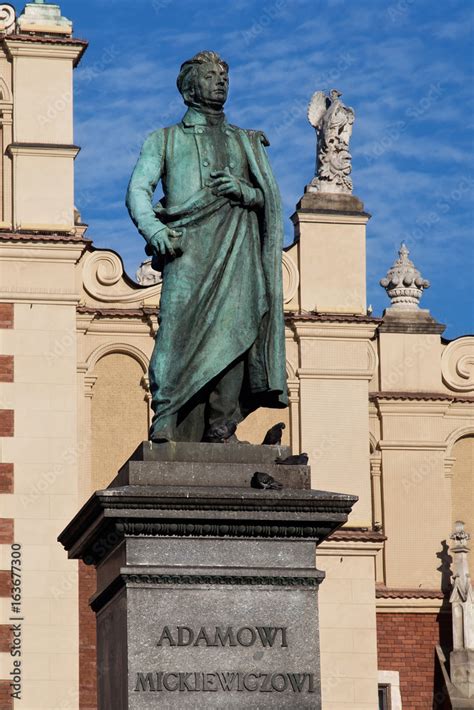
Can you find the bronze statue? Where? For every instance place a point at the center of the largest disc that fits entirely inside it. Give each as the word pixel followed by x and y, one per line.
pixel 217 237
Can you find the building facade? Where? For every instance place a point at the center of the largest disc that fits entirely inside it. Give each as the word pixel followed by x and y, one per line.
pixel 383 406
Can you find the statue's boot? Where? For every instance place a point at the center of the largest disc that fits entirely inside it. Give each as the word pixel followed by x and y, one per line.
pixel 163 429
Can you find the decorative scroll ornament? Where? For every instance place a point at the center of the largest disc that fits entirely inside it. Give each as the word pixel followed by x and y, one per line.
pixel 403 283
pixel 291 278
pixel 333 123
pixel 104 279
pixel 457 364
pixel 7 19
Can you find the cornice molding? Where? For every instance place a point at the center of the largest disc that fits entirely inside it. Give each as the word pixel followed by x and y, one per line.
pixel 397 445
pixel 37 236
pixel 311 316
pixel 419 397
pixel 247 580
pixel 309 216
pixel 52 150
pixel 34 45
pixel 410 606
pixel 383 592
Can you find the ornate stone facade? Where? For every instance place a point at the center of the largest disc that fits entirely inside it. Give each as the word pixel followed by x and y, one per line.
pixel 383 406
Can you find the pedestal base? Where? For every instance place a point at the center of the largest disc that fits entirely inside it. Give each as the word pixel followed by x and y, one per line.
pixel 206 594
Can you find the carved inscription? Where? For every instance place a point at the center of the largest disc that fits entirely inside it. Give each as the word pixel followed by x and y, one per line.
pixel 224 636
pixel 227 681
pixel 224 681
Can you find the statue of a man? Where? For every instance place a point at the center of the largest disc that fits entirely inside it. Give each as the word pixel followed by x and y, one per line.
pixel 217 237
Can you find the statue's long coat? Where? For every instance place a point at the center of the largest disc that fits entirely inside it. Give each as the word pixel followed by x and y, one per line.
pixel 223 297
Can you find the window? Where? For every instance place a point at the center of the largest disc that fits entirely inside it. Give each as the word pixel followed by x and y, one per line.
pixel 384 697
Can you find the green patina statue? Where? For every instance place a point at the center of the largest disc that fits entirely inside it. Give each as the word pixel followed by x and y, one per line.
pixel 217 236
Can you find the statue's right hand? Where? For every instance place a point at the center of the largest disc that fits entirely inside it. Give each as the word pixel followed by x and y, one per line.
pixel 161 242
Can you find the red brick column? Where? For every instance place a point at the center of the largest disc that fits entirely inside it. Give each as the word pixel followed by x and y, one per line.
pixel 6 700
pixel 6 478
pixel 6 368
pixel 87 640
pixel 407 644
pixel 6 315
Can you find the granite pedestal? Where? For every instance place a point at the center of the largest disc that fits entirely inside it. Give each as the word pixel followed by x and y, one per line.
pixel 206 587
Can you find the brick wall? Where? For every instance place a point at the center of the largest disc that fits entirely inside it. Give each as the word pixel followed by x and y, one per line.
pixel 7 422
pixel 6 638
pixel 87 640
pixel 6 368
pixel 5 584
pixel 6 700
pixel 6 315
pixel 6 478
pixel 407 644
pixel 6 531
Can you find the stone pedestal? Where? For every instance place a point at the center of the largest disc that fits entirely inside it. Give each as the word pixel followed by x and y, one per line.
pixel 206 587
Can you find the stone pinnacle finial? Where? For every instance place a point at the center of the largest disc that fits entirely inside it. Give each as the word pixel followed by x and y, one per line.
pixel 403 283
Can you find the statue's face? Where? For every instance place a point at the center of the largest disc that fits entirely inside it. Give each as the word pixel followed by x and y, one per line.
pixel 211 85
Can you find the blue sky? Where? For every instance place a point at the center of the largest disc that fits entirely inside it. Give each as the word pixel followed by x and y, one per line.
pixel 404 65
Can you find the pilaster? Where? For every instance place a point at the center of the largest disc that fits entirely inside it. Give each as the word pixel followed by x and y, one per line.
pixel 337 361
pixel 330 230
pixel 39 142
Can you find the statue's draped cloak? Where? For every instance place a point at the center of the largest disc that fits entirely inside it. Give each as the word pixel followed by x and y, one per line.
pixel 223 299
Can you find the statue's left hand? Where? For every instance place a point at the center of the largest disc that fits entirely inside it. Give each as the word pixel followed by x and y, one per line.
pixel 225 184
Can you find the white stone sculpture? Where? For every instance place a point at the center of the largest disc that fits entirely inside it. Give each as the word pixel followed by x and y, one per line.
pixel 146 275
pixel 333 123
pixel 462 605
pixel 403 283
pixel 462 597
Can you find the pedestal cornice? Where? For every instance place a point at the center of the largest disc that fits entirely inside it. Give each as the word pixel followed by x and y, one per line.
pixel 26 45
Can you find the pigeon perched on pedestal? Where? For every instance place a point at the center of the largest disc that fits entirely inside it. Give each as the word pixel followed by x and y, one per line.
pixel 265 482
pixel 273 435
pixel 296 460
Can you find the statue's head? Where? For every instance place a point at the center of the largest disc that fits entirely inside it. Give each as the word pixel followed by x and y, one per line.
pixel 204 80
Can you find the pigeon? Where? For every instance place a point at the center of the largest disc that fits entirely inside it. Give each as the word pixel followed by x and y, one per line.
pixel 297 460
pixel 266 482
pixel 220 433
pixel 273 435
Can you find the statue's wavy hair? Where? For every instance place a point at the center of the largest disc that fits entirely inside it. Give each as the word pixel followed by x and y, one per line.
pixel 185 79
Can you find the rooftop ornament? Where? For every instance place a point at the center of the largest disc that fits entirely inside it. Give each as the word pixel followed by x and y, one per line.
pixel 333 123
pixel 403 283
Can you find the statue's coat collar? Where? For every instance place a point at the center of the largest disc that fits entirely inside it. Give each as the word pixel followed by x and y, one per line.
pixel 193 117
